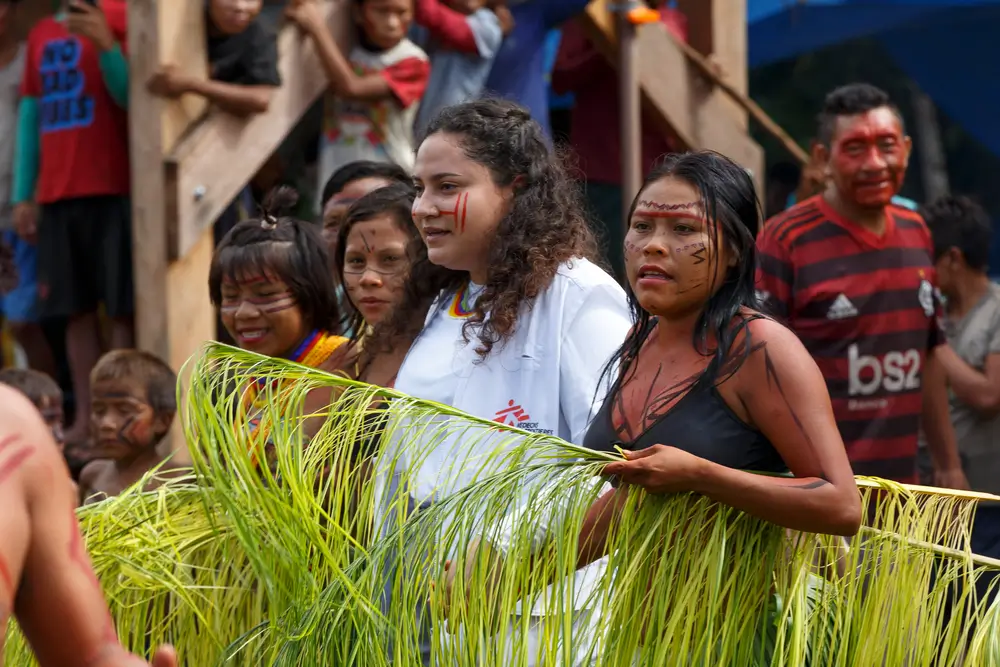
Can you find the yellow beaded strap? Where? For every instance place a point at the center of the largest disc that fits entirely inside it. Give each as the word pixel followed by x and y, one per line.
pixel 313 352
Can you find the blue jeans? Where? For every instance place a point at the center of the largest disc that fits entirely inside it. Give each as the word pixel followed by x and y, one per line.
pixel 21 304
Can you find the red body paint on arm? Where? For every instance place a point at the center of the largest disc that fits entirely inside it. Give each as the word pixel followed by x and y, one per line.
pixel 13 454
pixel 7 580
pixel 78 554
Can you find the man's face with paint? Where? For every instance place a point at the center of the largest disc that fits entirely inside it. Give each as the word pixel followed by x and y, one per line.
pixel 672 256
pixel 458 206
pixel 376 265
pixel 122 422
pixel 262 314
pixel 867 158
pixel 336 208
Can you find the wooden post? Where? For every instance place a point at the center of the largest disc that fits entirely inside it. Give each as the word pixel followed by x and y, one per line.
pixel 149 229
pixel 173 314
pixel 178 145
pixel 675 92
pixel 630 112
pixel 718 28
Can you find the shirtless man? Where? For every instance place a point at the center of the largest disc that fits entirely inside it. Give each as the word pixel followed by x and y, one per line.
pixel 46 580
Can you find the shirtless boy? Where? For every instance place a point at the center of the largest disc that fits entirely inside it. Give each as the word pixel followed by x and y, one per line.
pixel 46 580
pixel 132 407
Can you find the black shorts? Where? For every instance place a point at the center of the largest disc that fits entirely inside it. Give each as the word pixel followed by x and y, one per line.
pixel 85 257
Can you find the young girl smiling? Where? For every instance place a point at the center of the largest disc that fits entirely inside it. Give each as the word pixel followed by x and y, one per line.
pixel 271 281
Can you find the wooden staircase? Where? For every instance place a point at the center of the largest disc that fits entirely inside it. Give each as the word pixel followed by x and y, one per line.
pixel 190 165
pixel 675 92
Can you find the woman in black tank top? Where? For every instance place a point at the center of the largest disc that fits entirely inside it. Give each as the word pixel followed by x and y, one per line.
pixel 706 390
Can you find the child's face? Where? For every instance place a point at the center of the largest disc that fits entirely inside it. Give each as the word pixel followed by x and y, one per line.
pixel 262 314
pixel 376 265
pixel 232 17
pixel 336 209
pixel 385 22
pixel 122 422
pixel 51 408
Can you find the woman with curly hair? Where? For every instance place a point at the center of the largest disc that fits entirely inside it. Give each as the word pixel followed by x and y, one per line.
pixel 522 322
pixel 528 316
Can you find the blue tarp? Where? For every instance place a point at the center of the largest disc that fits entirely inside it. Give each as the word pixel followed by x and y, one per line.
pixel 949 48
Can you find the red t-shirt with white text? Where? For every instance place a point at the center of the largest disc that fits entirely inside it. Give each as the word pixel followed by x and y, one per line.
pixel 83 132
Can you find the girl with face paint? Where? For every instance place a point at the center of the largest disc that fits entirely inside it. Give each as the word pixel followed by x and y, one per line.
pixel 522 321
pixel 376 248
pixel 705 388
pixel 270 278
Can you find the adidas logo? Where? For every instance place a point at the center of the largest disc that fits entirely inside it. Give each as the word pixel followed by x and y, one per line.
pixel 841 308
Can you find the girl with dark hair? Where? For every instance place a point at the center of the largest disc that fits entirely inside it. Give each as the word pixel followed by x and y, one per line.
pixel 377 245
pixel 522 321
pixel 706 390
pixel 270 278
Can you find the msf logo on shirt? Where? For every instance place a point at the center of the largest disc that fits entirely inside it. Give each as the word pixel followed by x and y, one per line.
pixel 64 105
pixel 515 415
pixel 893 372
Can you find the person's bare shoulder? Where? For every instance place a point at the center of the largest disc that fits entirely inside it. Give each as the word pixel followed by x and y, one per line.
pixel 342 361
pixel 92 479
pixel 25 440
pixel 31 464
pixel 170 469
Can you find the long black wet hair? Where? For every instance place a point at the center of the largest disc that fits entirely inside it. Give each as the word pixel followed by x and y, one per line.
pixel 730 201
pixel 395 200
pixel 287 248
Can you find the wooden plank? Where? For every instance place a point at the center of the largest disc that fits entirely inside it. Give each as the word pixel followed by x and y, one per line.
pixel 718 28
pixel 677 97
pixel 173 317
pixel 182 42
pixel 219 156
pixel 149 257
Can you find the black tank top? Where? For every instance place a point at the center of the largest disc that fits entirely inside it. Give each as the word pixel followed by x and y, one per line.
pixel 699 423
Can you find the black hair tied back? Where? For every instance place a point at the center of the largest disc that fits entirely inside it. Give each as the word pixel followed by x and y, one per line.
pixel 278 203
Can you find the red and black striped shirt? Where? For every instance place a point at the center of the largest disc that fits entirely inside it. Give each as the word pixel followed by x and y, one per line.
pixel 865 308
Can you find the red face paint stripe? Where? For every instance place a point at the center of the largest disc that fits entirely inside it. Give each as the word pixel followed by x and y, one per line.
pixel 465 206
pixel 15 461
pixel 7 580
pixel 6 442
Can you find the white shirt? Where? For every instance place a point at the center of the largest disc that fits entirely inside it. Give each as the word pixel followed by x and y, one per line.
pixel 379 130
pixel 545 379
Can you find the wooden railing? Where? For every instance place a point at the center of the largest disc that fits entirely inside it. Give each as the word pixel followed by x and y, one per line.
pixel 680 99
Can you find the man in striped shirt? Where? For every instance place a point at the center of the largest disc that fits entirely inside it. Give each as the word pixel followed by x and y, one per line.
pixel 852 274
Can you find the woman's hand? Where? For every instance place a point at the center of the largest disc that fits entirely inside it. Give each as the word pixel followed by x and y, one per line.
pixel 441 600
pixel 659 469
